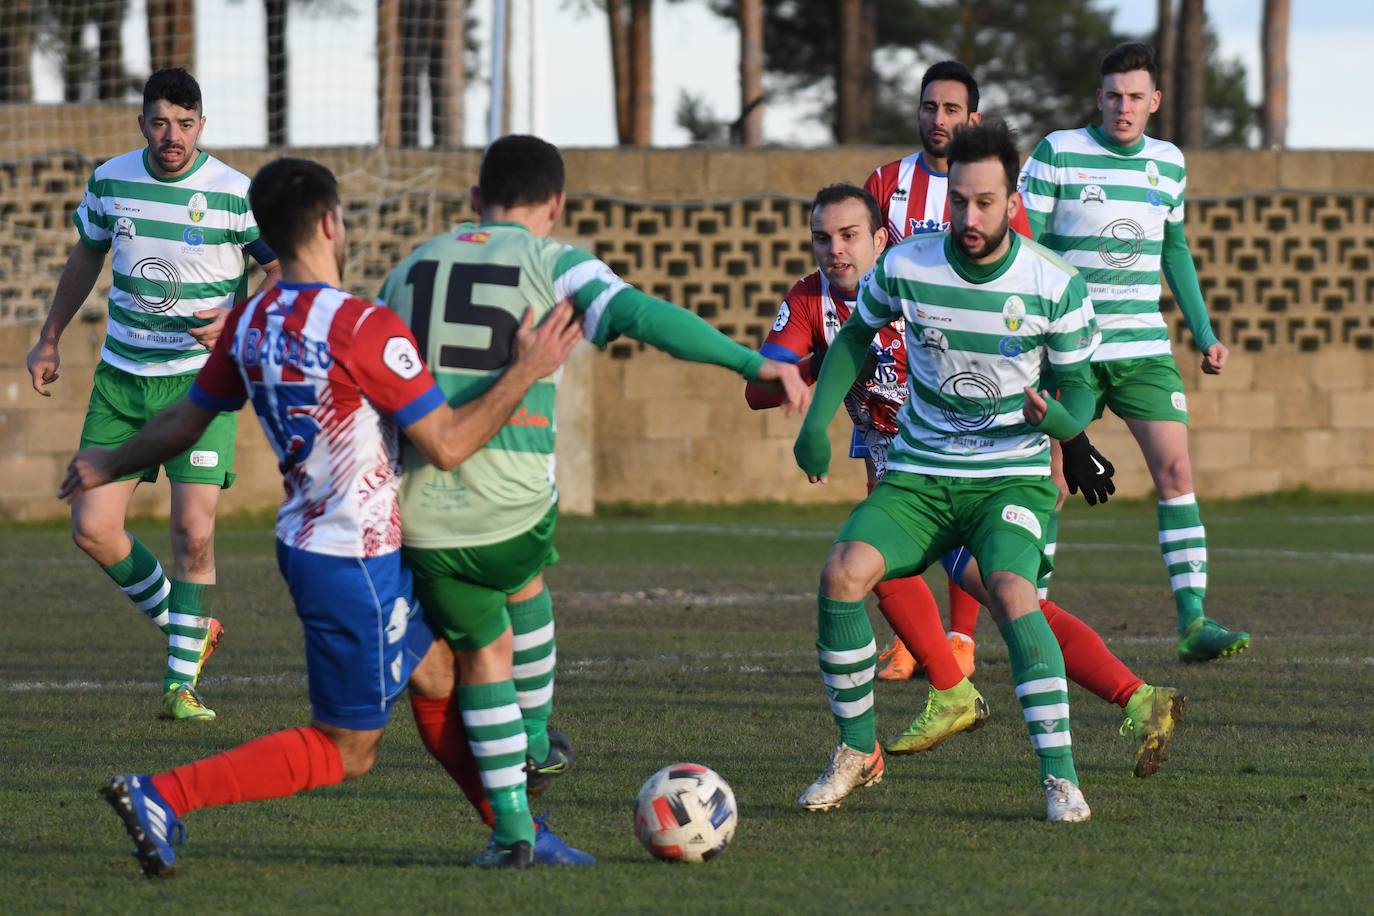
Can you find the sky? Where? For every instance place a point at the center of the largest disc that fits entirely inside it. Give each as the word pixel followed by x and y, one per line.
pixel 333 73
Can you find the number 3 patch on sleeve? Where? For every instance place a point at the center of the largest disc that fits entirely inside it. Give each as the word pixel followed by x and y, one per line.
pixel 400 357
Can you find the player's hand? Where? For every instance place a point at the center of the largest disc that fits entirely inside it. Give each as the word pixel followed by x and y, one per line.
pixel 43 362
pixel 796 395
pixel 1035 408
pixel 812 451
pixel 1087 469
pixel 540 351
pixel 88 469
pixel 1214 358
pixel 208 334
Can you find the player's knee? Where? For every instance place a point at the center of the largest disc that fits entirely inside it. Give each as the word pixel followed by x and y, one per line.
pixel 850 572
pixel 1175 477
pixel 194 541
pixel 1009 595
pixel 92 537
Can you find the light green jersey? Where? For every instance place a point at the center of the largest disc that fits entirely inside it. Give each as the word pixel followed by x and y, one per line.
pixel 463 294
pixel 1104 209
pixel 976 336
pixel 178 248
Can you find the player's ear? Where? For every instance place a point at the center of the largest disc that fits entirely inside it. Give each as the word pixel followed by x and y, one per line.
pixel 556 206
pixel 475 195
pixel 1155 98
pixel 975 118
pixel 880 240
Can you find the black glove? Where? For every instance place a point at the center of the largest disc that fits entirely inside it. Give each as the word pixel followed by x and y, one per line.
pixel 1087 469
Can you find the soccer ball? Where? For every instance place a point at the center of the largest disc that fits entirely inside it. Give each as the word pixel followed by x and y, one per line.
pixel 685 813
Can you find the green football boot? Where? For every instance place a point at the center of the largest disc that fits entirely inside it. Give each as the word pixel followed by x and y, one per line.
pixel 1206 640
pixel 183 702
pixel 961 708
pixel 1151 714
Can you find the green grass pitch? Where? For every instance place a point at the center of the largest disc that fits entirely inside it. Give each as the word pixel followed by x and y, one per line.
pixel 688 635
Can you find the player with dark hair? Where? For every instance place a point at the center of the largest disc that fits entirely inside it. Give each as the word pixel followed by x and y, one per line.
pixel 983 309
pixel 1110 200
pixel 479 537
pixel 333 379
pixel 178 224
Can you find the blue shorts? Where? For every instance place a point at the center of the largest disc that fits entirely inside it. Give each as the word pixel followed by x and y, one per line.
pixel 364 632
pixel 955 562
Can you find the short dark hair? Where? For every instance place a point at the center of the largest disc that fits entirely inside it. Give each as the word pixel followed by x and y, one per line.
pixel 288 197
pixel 834 193
pixel 956 72
pixel 174 85
pixel 520 169
pixel 1131 55
pixel 991 139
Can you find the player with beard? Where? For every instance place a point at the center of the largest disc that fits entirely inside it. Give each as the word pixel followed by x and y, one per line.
pixel 970 465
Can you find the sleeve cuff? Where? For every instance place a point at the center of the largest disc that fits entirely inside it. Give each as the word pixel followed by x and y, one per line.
pixel 421 407
pixel 260 251
pixel 206 401
pixel 779 353
pixel 100 245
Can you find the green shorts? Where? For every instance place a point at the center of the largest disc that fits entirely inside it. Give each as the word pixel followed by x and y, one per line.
pixel 1145 388
pixel 914 519
pixel 121 403
pixel 464 589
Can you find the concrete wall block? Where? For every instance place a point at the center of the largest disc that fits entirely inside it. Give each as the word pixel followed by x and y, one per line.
pixel 1352 410
pixel 1339 370
pixel 1221 450
pixel 1302 410
pixel 1255 410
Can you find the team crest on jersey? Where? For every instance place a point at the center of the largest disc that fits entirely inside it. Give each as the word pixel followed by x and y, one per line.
pixel 784 315
pixel 124 228
pixel 1152 173
pixel 1013 313
pixel 197 207
pixel 476 238
pixel 1092 194
pixel 920 226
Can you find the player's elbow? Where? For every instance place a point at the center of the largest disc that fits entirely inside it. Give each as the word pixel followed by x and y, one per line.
pixel 757 397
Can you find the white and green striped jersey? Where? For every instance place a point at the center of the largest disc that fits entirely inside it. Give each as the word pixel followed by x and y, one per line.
pixel 463 294
pixel 1103 208
pixel 178 248
pixel 976 336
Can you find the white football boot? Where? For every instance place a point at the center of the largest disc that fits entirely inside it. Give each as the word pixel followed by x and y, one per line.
pixel 848 770
pixel 1064 802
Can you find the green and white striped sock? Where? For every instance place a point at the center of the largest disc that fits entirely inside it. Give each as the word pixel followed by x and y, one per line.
pixel 497 738
pixel 535 660
pixel 1037 668
pixel 139 575
pixel 187 629
pixel 1042 585
pixel 848 655
pixel 1183 542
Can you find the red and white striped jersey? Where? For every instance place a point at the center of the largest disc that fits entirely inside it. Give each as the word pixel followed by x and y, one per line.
pixel 808 319
pixel 915 200
pixel 332 378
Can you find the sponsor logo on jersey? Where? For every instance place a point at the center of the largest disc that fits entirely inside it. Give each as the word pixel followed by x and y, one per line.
pixel 1013 313
pixel 400 357
pixel 124 229
pixel 1179 401
pixel 193 236
pixel 1154 198
pixel 932 339
pixel 784 315
pixel 1092 194
pixel 476 238
pixel 1121 243
pixel 1011 347
pixel 125 208
pixel 160 288
pixel 1152 173
pixel 197 206
pixel 1022 517
pixel 204 459
pixel 971 401
pixel 526 417
pixel 899 194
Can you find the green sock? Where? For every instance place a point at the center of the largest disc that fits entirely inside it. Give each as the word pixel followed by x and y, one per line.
pixel 1037 668
pixel 497 737
pixel 848 655
pixel 535 660
pixel 139 575
pixel 1183 541
pixel 187 629
pixel 1042 585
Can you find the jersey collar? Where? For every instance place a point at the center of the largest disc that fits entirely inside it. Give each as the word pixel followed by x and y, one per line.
pixel 1099 135
pixel 167 179
pixel 981 273
pixel 921 161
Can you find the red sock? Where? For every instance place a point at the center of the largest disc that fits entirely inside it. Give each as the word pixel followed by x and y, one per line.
pixel 963 610
pixel 440 723
pixel 272 766
pixel 911 609
pixel 1087 660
